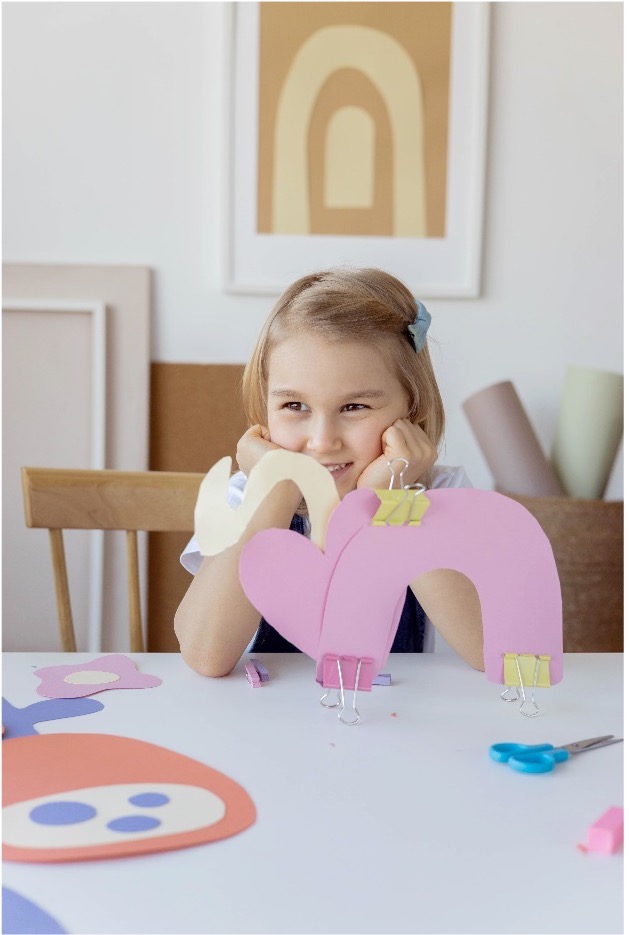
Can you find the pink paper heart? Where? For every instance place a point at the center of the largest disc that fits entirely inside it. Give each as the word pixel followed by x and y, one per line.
pixel 285 577
pixel 355 511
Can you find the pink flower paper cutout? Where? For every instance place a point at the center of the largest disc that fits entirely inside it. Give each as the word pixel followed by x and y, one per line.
pixel 88 678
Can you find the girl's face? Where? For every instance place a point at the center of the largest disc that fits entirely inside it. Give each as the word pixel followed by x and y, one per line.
pixel 333 401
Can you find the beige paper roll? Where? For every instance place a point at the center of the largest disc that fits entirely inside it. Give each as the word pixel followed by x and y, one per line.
pixel 509 443
pixel 589 430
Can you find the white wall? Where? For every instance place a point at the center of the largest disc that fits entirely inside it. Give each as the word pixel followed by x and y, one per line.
pixel 113 148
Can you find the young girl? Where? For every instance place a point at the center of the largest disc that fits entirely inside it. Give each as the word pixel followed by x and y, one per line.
pixel 341 373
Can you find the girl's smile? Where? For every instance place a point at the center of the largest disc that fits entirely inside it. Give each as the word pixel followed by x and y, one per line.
pixel 332 401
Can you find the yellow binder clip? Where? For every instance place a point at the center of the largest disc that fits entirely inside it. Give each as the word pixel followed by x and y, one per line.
pixel 524 665
pixel 404 506
pixel 525 669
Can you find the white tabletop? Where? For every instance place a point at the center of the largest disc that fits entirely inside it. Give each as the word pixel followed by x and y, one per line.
pixel 399 824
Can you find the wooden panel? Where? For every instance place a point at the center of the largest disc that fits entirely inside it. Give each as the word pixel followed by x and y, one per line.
pixel 196 419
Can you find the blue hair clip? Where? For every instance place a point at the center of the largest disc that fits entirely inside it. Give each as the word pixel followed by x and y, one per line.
pixel 420 326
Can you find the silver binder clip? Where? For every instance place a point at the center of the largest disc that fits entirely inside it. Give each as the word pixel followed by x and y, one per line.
pixel 531 701
pixel 356 719
pixel 329 704
pixel 402 472
pixel 340 702
pixel 400 503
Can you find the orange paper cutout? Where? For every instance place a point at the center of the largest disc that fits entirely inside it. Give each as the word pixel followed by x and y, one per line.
pixel 41 767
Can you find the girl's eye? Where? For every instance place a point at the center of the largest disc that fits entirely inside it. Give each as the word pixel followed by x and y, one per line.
pixel 354 407
pixel 295 407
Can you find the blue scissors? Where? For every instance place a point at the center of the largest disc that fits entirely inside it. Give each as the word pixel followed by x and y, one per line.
pixel 541 758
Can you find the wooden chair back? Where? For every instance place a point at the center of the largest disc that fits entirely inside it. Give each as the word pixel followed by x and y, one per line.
pixel 132 501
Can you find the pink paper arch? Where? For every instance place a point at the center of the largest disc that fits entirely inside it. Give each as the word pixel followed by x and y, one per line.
pixel 347 601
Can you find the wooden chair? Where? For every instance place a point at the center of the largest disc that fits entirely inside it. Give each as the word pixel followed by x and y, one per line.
pixel 58 499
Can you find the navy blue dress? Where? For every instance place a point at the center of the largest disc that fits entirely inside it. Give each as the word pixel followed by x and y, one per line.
pixel 408 639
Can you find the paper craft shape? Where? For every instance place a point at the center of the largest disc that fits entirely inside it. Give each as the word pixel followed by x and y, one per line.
pixel 88 678
pixel 20 916
pixel 217 525
pixel 70 797
pixel 19 722
pixel 350 598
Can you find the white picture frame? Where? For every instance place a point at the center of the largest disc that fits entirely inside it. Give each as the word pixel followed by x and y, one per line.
pixel 448 267
pixel 96 391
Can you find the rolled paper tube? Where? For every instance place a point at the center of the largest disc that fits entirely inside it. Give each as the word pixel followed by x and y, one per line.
pixel 589 430
pixel 509 443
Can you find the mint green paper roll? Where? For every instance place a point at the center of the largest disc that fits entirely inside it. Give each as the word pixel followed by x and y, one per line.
pixel 589 430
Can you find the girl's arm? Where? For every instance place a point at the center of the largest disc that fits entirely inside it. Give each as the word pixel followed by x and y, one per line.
pixel 451 602
pixel 215 622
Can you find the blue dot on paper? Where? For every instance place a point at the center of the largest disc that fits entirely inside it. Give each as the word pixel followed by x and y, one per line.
pixel 149 799
pixel 130 823
pixel 62 813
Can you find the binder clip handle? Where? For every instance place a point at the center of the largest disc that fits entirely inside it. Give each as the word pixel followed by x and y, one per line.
pixel 402 472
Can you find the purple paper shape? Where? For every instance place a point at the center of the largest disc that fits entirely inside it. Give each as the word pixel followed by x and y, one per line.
pixel 350 599
pixel 383 679
pixel 19 722
pixel 118 672
pixel 20 916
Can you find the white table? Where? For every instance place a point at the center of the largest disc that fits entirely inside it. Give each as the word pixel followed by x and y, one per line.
pixel 399 824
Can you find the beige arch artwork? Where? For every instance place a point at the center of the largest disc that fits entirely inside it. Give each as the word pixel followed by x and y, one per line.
pixel 350 159
pixel 389 67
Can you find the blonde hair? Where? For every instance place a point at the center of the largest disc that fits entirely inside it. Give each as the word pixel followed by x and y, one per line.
pixel 353 305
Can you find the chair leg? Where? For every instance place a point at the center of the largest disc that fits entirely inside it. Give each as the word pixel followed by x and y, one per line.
pixel 136 640
pixel 62 591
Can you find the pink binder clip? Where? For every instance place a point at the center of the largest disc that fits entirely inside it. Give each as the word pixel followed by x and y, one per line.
pixel 339 671
pixel 252 675
pixel 262 670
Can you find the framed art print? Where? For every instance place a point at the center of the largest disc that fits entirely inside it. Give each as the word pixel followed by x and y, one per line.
pixel 356 136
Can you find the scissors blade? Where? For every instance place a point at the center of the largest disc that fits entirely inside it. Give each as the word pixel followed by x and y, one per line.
pixel 580 746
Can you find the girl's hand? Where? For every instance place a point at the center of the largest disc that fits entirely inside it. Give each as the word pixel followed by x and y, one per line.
pixel 403 439
pixel 253 445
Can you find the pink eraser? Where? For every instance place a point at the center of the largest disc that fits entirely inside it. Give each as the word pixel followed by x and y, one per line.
pixel 606 834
